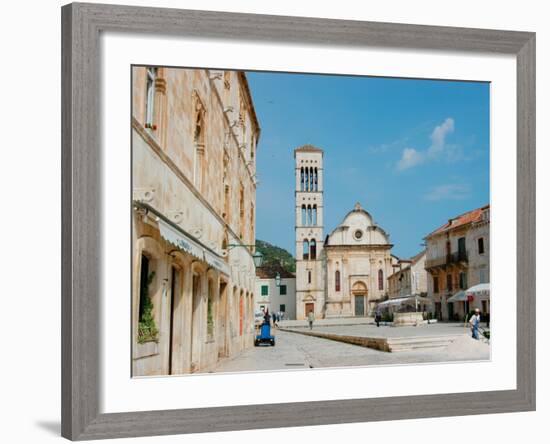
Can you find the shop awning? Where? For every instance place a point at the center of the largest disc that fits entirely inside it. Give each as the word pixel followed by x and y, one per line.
pixel 481 290
pixel 458 297
pixel 404 300
pixel 184 242
pixel 217 262
pixel 179 239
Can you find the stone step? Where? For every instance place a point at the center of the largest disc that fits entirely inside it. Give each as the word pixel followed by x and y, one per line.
pixel 387 344
pixel 413 343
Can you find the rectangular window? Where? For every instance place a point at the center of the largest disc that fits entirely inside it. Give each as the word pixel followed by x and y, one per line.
pixel 436 284
pixel 309 277
pixel 449 282
pixel 480 246
pixel 282 290
pixel 282 308
pixel 265 290
pixel 461 248
pixel 462 280
pixel 482 276
pixel 150 98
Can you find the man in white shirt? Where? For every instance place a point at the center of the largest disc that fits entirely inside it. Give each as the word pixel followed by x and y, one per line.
pixel 474 324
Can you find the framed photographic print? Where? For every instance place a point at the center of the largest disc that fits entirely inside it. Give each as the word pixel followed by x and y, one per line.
pixel 278 221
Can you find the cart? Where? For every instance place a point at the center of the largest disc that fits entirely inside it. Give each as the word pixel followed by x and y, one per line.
pixel 265 336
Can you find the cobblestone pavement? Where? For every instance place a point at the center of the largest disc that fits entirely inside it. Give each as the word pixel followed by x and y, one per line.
pixel 296 351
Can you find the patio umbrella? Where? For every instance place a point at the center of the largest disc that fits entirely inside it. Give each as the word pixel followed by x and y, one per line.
pixel 458 297
pixel 481 290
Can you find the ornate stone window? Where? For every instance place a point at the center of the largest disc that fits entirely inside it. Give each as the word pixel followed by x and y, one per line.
pixel 199 138
pixel 358 234
pixel 337 280
pixel 380 279
pixel 150 97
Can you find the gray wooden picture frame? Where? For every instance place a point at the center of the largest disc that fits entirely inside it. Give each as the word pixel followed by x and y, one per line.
pixel 81 214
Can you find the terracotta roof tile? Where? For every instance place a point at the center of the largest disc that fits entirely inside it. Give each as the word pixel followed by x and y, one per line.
pixel 309 149
pixel 463 219
pixel 270 271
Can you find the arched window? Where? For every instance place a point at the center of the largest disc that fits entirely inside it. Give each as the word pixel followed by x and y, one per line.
pixel 337 280
pixel 311 179
pixel 313 249
pixel 306 179
pixel 309 216
pixel 314 213
pixel 302 179
pixel 306 250
pixel 304 215
pixel 316 180
pixel 380 279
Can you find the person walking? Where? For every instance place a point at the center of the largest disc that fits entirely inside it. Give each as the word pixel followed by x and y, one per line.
pixel 310 319
pixel 377 317
pixel 474 324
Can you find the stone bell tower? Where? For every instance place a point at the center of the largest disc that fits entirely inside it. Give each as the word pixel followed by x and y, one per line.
pixel 310 286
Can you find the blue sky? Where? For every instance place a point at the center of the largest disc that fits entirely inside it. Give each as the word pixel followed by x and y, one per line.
pixel 413 152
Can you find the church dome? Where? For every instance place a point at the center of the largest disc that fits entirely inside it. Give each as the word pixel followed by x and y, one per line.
pixel 358 228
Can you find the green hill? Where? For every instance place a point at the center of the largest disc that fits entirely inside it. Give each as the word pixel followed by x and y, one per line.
pixel 276 255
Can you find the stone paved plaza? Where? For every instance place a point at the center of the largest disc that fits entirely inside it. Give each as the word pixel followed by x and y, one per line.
pixel 371 330
pixel 298 351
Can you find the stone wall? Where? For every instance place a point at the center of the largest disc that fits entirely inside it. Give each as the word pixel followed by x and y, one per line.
pixel 193 167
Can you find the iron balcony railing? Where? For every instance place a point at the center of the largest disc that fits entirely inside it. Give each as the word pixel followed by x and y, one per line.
pixel 458 257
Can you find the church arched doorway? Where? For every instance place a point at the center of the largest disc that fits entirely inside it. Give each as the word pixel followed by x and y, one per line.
pixel 359 293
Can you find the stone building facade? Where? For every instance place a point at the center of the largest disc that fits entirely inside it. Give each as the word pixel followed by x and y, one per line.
pixel 275 298
pixel 458 257
pixel 409 277
pixel 345 274
pixel 194 139
pixel 358 263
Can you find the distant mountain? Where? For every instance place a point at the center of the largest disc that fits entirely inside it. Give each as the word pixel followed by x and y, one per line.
pixel 276 255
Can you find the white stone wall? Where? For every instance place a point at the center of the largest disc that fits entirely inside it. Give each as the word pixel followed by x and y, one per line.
pixel 274 299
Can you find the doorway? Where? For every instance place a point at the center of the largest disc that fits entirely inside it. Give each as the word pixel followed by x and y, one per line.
pixel 450 310
pixel 310 307
pixel 359 305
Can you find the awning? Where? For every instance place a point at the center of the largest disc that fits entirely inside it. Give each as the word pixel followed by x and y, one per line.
pixel 403 300
pixel 216 262
pixel 481 290
pixel 180 240
pixel 458 297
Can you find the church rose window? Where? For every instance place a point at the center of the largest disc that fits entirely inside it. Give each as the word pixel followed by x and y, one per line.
pixel 358 234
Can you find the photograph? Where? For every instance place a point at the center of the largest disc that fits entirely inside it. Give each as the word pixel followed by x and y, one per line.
pixel 297 221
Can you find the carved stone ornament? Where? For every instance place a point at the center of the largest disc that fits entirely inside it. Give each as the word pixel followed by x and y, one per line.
pixel 144 194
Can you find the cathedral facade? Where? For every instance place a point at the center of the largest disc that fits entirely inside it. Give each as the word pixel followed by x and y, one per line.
pixel 345 274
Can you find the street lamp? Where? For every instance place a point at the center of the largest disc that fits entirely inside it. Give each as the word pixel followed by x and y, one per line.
pixel 258 259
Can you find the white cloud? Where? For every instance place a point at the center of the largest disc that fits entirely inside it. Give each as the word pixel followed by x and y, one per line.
pixel 439 135
pixel 412 157
pixel 449 192
pixel 409 159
